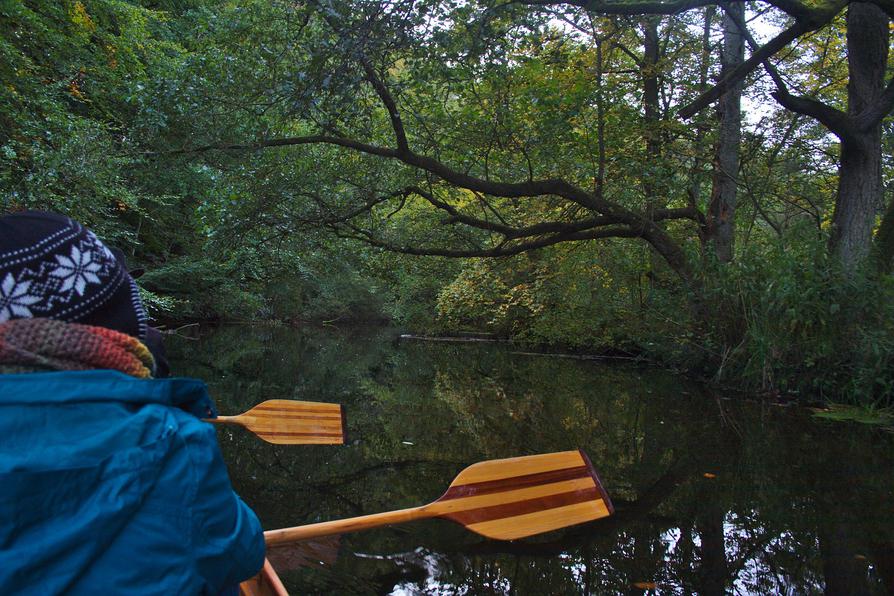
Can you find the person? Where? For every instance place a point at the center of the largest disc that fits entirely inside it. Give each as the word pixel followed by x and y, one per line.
pixel 109 479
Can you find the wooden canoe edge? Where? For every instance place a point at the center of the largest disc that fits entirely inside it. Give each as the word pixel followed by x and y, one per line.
pixel 606 500
pixel 265 583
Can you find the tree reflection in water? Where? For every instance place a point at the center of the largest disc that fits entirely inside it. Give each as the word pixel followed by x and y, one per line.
pixel 713 496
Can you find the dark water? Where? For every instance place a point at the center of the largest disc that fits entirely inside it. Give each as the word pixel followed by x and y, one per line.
pixel 712 496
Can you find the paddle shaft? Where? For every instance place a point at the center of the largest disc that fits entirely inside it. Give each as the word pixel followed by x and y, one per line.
pixel 340 526
pixel 241 420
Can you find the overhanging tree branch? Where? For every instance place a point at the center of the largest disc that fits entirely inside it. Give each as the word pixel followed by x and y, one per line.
pixel 507 231
pixel 531 188
pixel 740 72
pixel 835 120
pixel 503 249
pixel 510 232
pixel 390 105
pixel 657 7
pixel 875 113
pixel 634 225
pixel 332 218
pixel 609 213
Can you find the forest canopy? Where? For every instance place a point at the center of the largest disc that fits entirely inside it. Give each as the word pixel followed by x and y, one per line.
pixel 702 184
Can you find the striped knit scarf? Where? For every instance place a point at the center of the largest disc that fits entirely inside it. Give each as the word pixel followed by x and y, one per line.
pixel 41 345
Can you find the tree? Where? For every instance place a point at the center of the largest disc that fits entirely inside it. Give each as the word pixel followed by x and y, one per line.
pixel 386 81
pixel 859 195
pixel 71 77
pixel 463 178
pixel 722 208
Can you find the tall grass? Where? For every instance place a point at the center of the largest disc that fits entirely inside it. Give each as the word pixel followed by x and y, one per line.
pixel 790 321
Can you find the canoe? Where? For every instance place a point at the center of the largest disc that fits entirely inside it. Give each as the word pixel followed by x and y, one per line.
pixel 265 583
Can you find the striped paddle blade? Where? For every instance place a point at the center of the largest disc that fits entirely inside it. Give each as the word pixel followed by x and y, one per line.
pixel 290 422
pixel 502 498
pixel 517 497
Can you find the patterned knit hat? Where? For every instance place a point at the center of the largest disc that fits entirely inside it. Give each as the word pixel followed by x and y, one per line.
pixel 53 267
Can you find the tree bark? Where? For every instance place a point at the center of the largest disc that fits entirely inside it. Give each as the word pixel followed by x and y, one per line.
pixel 651 109
pixel 722 209
pixel 653 189
pixel 860 173
pixel 884 241
pixel 701 129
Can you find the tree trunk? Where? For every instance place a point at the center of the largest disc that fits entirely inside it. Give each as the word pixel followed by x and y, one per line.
pixel 722 210
pixel 651 107
pixel 860 174
pixel 884 241
pixel 652 187
pixel 859 190
pixel 701 128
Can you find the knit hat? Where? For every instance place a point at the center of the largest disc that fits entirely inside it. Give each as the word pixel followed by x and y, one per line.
pixel 53 267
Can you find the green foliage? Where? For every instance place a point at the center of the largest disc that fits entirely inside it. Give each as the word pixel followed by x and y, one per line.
pixel 69 73
pixel 242 285
pixel 323 287
pixel 205 289
pixel 788 320
pixel 863 415
pixel 781 319
pixel 97 97
pixel 158 306
pixel 409 287
pixel 582 298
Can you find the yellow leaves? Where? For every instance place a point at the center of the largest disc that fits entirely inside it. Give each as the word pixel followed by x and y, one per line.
pixel 111 51
pixel 78 15
pixel 74 86
pixel 464 198
pixel 75 91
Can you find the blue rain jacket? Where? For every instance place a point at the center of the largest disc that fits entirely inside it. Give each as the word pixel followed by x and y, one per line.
pixel 112 484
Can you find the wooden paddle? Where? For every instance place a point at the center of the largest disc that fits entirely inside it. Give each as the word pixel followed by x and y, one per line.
pixel 290 422
pixel 501 498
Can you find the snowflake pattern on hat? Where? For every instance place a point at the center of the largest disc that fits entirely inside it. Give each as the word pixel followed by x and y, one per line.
pixel 66 275
pixel 76 271
pixel 49 280
pixel 15 299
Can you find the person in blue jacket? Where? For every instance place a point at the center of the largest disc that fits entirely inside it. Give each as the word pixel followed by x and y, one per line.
pixel 109 479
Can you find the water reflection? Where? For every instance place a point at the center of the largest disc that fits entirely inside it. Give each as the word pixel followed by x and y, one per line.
pixel 712 496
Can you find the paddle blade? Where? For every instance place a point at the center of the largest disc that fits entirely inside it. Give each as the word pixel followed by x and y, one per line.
pixel 517 497
pixel 289 422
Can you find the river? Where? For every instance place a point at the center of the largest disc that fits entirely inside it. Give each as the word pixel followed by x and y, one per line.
pixel 713 495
